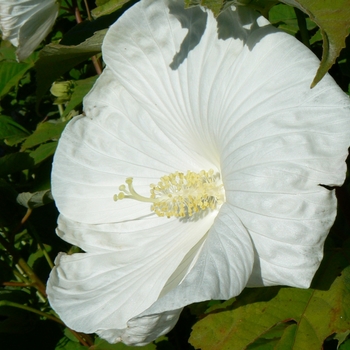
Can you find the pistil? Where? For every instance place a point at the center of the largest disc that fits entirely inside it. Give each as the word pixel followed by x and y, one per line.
pixel 179 194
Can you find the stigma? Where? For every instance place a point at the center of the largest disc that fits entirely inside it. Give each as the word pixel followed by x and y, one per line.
pixel 178 194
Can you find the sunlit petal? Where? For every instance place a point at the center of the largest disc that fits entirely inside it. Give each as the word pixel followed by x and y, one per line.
pixel 124 270
pixel 25 23
pixel 185 91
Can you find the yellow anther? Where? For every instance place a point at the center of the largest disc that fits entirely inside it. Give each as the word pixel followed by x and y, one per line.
pixel 180 194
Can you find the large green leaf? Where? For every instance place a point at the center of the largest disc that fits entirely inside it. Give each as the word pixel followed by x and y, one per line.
pixel 218 6
pixel 318 313
pixel 10 131
pixel 11 72
pixel 333 18
pixel 345 345
pixel 56 59
pixel 43 152
pixel 15 162
pixel 46 131
pixel 107 7
pixel 101 344
pixel 284 17
pixel 68 344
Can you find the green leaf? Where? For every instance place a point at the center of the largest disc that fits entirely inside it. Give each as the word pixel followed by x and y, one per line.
pixel 107 7
pixel 10 131
pixel 341 337
pixel 101 2
pixel 15 162
pixel 44 132
pixel 11 72
pixel 82 87
pixel 345 345
pixel 333 18
pixel 67 344
pixel 35 200
pixel 42 179
pixel 43 152
pixel 287 338
pixel 318 312
pixel 284 17
pixel 34 257
pixel 101 344
pixel 56 59
pixel 214 5
pixel 344 60
pixel 271 339
pixel 86 29
pixel 217 6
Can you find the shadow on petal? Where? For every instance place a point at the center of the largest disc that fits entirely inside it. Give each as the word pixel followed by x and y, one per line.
pixel 195 20
pixel 239 25
pixel 230 24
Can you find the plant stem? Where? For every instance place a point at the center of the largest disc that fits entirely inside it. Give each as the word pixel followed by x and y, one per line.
pixel 30 309
pixel 97 65
pixel 21 223
pixel 302 27
pixel 40 286
pixel 78 18
pixel 87 10
pixel 21 278
pixel 24 266
pixel 83 338
pixel 47 257
pixel 16 284
pixel 32 230
pixel 60 109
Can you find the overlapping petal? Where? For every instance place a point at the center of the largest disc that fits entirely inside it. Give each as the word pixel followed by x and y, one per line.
pixel 248 97
pixel 282 146
pixel 122 274
pixel 25 23
pixel 184 91
pixel 143 330
pixel 222 269
pixel 106 291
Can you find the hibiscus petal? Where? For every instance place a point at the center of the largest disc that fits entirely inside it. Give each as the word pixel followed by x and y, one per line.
pixel 176 73
pixel 143 330
pixel 223 267
pixel 86 290
pixel 122 274
pixel 26 23
pixel 279 145
pixel 240 105
pixel 88 170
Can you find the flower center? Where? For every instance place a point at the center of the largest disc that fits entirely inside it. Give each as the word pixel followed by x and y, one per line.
pixel 180 194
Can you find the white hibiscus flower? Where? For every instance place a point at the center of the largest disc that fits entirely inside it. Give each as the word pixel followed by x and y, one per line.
pixel 25 23
pixel 228 101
